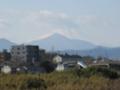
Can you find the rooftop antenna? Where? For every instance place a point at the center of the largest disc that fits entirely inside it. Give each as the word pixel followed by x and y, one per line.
pixel 53 49
pixel 104 56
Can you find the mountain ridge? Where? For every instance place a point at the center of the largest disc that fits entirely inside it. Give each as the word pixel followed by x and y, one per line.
pixel 70 46
pixel 5 44
pixel 111 53
pixel 60 42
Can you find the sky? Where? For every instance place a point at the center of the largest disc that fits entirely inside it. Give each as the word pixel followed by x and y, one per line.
pixel 96 21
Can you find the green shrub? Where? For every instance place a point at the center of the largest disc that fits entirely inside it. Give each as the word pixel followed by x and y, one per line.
pixel 49 66
pixel 32 83
pixel 88 72
pixel 108 73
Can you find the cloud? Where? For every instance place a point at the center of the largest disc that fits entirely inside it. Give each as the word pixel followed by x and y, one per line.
pixel 36 23
pixel 49 22
pixel 50 14
pixel 22 26
pixel 50 19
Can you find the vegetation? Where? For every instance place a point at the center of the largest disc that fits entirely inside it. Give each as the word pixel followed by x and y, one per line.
pixel 67 80
pixel 104 72
pixel 49 66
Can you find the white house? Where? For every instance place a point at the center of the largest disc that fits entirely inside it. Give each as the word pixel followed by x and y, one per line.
pixel 6 69
pixel 60 67
pixel 67 62
pixel 57 59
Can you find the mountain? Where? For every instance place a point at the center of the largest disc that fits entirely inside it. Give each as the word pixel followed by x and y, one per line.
pixel 112 53
pixel 60 42
pixel 5 44
pixel 63 44
pixel 71 46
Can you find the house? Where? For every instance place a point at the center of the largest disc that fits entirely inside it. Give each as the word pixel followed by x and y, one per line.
pixel 25 53
pixel 6 69
pixel 20 69
pixel 71 61
pixel 60 67
pixel 57 59
pixel 34 69
pixel 68 62
pixel 106 64
pixel 4 56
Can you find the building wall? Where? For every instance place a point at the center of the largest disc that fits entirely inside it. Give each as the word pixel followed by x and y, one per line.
pixel 32 53
pixel 18 53
pixel 25 53
pixel 1 57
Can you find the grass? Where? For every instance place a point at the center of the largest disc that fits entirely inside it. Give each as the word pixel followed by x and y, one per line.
pixel 67 80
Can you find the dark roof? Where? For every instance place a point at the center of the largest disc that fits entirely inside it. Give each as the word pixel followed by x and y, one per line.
pixel 70 56
pixel 34 69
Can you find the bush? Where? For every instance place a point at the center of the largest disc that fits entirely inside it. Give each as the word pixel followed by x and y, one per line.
pixel 49 66
pixel 108 73
pixel 88 72
pixel 33 83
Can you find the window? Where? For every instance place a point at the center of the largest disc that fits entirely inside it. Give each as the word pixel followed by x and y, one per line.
pixel 12 52
pixel 18 48
pixel 18 52
pixel 23 48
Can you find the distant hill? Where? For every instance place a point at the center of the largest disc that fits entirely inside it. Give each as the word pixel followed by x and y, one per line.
pixel 5 44
pixel 71 46
pixel 112 53
pixel 60 42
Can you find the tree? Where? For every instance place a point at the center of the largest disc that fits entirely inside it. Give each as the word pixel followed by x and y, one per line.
pixel 49 66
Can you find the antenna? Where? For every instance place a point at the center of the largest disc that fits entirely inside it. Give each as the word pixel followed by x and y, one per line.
pixel 53 49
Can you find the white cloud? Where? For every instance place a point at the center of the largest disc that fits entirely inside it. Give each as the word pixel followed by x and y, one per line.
pixel 36 24
pixel 49 14
pixel 21 26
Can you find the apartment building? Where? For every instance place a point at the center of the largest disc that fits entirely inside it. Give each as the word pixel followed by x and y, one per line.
pixel 25 53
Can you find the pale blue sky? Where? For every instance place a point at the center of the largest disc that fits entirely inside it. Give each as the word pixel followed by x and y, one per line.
pixel 97 21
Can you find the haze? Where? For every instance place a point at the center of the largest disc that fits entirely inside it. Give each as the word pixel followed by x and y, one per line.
pixel 96 21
